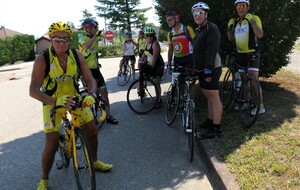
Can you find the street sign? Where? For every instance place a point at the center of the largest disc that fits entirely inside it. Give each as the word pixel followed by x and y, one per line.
pixel 109 35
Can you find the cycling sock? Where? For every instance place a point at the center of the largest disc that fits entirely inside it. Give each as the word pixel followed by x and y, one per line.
pixel 217 126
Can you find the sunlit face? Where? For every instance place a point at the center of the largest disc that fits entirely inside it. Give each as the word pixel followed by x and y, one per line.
pixel 242 9
pixel 199 16
pixel 60 41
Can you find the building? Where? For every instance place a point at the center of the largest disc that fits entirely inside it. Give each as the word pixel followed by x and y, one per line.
pixel 42 43
pixel 5 32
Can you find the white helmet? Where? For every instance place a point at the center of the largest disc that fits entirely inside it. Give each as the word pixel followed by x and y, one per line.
pixel 201 5
pixel 242 1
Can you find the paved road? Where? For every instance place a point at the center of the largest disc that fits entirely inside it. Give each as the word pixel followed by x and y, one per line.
pixel 145 152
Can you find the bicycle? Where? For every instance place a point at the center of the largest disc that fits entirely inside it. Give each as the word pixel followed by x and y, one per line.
pixel 124 72
pixel 244 93
pixel 142 94
pixel 99 108
pixel 74 144
pixel 187 115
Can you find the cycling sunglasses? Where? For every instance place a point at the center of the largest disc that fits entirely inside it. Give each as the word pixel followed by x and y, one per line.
pixel 241 6
pixel 201 13
pixel 149 35
pixel 65 39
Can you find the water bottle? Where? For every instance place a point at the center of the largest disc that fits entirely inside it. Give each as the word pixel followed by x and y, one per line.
pixel 238 81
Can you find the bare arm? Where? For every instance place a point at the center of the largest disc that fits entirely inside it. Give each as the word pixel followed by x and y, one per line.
pixel 87 74
pixel 156 52
pixel 37 77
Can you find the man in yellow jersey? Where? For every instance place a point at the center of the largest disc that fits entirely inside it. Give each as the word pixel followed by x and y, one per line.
pixel 179 39
pixel 88 46
pixel 246 30
pixel 59 87
pixel 141 43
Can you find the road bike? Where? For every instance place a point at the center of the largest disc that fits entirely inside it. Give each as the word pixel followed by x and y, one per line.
pixel 142 94
pixel 99 108
pixel 240 93
pixel 74 144
pixel 124 72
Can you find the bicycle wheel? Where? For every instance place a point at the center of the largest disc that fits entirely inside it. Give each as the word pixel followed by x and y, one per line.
pixel 82 162
pixel 62 150
pixel 124 74
pixel 190 128
pixel 142 100
pixel 249 99
pixel 227 89
pixel 172 104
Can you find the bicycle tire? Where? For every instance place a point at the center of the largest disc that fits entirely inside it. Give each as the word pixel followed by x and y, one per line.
pixel 248 103
pixel 142 101
pixel 190 129
pixel 124 74
pixel 227 89
pixel 84 173
pixel 62 150
pixel 172 104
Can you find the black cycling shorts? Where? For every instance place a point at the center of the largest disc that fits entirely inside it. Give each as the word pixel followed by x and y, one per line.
pixel 214 83
pixel 99 78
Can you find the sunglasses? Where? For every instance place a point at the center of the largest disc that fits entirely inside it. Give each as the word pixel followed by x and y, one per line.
pixel 58 39
pixel 151 35
pixel 241 6
pixel 201 13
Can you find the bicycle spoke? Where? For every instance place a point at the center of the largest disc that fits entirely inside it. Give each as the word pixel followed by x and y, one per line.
pixel 190 130
pixel 227 89
pixel 172 104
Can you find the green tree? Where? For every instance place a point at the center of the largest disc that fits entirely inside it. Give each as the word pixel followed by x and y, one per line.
pixel 122 14
pixel 280 19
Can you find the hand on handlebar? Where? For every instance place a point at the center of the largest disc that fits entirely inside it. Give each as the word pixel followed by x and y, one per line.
pixel 66 101
pixel 88 101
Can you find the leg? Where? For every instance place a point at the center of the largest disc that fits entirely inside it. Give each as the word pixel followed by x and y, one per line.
pixel 91 132
pixel 215 108
pixel 104 94
pixel 51 145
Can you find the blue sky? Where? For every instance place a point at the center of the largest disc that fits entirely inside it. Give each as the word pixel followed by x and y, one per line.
pixel 34 16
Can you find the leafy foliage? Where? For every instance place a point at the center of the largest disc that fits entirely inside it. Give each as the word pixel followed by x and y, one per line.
pixel 280 19
pixel 122 14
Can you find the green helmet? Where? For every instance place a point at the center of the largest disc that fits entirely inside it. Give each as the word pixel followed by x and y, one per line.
pixel 148 30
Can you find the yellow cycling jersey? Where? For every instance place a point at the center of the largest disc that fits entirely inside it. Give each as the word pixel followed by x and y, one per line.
pixel 58 83
pixel 242 35
pixel 91 53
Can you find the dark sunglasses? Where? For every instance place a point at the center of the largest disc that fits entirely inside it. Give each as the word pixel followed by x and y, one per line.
pixel 150 35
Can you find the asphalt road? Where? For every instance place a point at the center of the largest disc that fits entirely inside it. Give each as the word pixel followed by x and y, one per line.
pixel 145 152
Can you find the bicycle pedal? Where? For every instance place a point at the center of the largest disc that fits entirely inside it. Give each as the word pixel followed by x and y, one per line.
pixel 78 146
pixel 59 165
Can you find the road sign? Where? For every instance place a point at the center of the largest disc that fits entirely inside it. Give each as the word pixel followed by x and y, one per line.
pixel 109 35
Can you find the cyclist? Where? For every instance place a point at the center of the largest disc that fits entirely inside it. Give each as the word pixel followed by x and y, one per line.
pixel 179 41
pixel 246 30
pixel 206 57
pixel 153 60
pixel 141 43
pixel 128 51
pixel 59 87
pixel 88 46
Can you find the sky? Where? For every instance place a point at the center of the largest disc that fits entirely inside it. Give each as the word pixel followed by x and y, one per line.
pixel 34 17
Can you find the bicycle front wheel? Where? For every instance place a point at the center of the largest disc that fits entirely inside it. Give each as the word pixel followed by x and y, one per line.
pixel 124 74
pixel 82 162
pixel 227 89
pixel 249 100
pixel 142 96
pixel 172 104
pixel 190 128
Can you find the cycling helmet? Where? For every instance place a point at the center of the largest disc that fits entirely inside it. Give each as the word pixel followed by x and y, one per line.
pixel 89 22
pixel 172 13
pixel 200 5
pixel 148 30
pixel 141 32
pixel 242 1
pixel 60 27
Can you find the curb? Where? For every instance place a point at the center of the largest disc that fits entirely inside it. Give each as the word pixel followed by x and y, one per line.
pixel 218 173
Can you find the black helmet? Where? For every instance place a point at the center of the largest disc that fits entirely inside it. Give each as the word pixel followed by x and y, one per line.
pixel 141 32
pixel 172 13
pixel 89 22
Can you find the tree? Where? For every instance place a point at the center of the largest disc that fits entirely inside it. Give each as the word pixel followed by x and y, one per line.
pixel 280 19
pixel 122 14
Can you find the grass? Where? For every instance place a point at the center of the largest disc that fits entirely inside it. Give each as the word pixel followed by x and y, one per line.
pixel 266 156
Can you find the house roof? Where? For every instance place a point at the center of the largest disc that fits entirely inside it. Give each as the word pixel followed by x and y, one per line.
pixel 5 32
pixel 46 37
